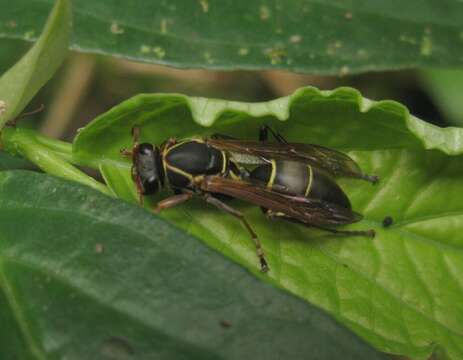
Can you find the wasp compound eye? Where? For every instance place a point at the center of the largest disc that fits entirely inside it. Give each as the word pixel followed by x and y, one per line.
pixel 145 149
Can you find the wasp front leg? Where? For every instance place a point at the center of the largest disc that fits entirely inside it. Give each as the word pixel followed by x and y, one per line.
pixel 172 201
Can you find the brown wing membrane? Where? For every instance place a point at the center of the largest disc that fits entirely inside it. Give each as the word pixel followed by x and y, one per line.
pixel 308 211
pixel 334 162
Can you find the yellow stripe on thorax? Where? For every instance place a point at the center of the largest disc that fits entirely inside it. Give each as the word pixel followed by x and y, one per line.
pixel 166 166
pixel 179 171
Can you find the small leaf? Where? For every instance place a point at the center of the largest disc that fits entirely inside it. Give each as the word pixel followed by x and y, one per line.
pixel 400 291
pixel 115 282
pixel 21 82
pixel 307 36
pixel 52 156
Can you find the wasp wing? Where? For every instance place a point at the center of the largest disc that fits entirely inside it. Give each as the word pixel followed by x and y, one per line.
pixel 253 152
pixel 308 211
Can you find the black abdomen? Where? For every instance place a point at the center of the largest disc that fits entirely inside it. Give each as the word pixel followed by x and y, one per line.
pixel 192 158
pixel 297 178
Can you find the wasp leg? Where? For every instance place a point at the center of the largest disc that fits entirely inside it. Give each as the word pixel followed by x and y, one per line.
pixel 13 122
pixel 259 251
pixel 172 201
pixel 263 134
pixel 139 187
pixel 222 136
pixel 368 233
pixel 126 152
pixel 135 135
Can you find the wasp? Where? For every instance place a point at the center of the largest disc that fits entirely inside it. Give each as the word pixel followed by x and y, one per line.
pixel 291 181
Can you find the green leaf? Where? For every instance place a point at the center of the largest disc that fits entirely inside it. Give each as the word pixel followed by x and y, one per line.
pixel 114 282
pixel 9 162
pixel 307 36
pixel 21 82
pixel 400 291
pixel 446 89
pixel 10 51
pixel 52 156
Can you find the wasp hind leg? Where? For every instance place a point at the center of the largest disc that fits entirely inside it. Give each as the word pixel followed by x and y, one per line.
pixel 222 206
pixel 263 134
pixel 368 233
pixel 14 121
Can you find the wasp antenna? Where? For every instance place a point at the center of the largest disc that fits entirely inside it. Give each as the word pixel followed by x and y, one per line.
pixel 126 152
pixel 24 114
pixel 136 134
pixel 33 112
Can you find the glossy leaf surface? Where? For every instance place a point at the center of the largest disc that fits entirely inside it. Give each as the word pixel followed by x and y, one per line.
pixel 332 37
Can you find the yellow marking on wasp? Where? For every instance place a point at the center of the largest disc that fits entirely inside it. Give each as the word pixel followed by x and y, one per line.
pixel 179 171
pixel 165 165
pixel 309 186
pixel 164 162
pixel 272 175
pixel 174 146
pixel 224 162
pixel 234 176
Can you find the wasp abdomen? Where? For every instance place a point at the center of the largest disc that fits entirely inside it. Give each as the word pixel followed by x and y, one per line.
pixel 298 178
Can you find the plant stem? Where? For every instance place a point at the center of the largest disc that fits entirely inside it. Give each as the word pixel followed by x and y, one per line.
pixel 52 156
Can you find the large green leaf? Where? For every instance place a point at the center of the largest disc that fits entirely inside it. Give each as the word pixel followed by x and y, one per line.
pixel 83 276
pixel 400 291
pixel 21 82
pixel 313 36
